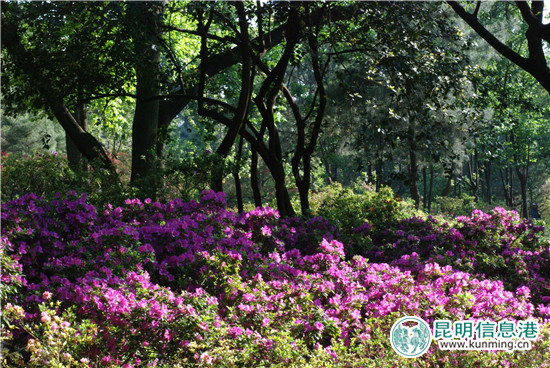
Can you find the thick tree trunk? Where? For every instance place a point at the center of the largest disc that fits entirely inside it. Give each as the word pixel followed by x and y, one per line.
pixel 84 141
pixel 74 156
pixel 303 187
pixel 236 177
pixel 281 193
pixel 145 124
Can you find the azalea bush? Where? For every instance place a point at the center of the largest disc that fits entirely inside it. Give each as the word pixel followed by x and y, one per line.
pixel 496 245
pixel 183 284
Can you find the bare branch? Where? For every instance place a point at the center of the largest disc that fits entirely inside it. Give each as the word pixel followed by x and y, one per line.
pixel 478 5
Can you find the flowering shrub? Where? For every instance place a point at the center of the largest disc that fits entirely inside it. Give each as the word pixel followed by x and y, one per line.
pixel 496 245
pixel 193 284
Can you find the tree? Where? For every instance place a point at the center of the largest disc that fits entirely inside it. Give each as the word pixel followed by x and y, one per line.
pixel 25 134
pixel 407 84
pixel 534 62
pixel 58 57
pixel 144 20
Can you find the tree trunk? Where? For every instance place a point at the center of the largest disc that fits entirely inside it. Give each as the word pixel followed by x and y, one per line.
pixel 489 194
pixel 522 176
pixel 283 199
pixel 511 186
pixel 477 179
pixel 425 191
pixel 244 97
pixel 535 64
pixel 145 123
pixel 254 178
pixel 74 156
pixel 430 192
pixel 504 182
pixel 86 143
pixel 238 188
pixel 413 168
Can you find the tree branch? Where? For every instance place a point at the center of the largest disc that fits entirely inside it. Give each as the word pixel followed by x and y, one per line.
pixel 489 37
pixel 197 33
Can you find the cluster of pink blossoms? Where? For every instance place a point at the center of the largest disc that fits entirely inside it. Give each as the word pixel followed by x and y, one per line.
pixel 157 277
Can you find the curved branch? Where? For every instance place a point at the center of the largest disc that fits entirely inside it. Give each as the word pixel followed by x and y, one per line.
pixel 488 36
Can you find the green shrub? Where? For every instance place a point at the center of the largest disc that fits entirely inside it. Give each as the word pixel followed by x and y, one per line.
pixel 46 174
pixel 350 208
pixel 42 174
pixel 454 206
pixel 187 176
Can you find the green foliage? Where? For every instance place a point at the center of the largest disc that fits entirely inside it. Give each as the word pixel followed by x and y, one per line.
pixel 57 339
pixel 79 51
pixel 11 274
pixel 188 175
pixel 350 209
pixel 25 133
pixel 47 174
pixel 453 206
pixel 42 173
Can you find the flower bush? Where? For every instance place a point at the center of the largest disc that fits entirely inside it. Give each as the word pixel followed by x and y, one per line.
pixel 193 284
pixel 496 245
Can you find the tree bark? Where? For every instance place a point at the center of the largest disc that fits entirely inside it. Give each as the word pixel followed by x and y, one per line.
pixel 522 176
pixel 244 97
pixel 430 190
pixel 254 184
pixel 236 177
pixel 535 64
pixel 74 156
pixel 413 167
pixel 144 174
pixel 488 198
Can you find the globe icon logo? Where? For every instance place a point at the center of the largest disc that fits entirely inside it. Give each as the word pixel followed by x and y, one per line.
pixel 410 337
